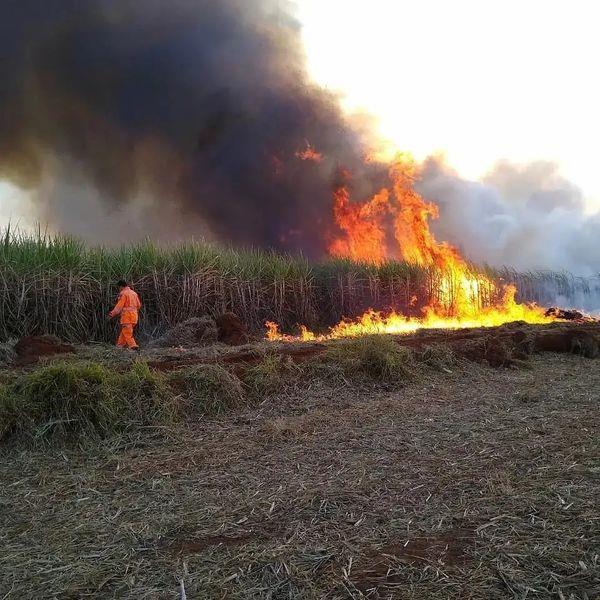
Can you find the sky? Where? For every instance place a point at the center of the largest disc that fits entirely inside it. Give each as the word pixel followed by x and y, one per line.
pixel 475 80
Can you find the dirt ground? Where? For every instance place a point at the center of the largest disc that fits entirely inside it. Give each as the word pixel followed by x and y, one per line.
pixel 474 483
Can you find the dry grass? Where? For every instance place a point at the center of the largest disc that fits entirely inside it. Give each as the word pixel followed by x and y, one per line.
pixel 437 356
pixel 208 389
pixel 7 352
pixel 63 400
pixel 195 331
pixel 475 484
pixel 376 356
pixel 271 374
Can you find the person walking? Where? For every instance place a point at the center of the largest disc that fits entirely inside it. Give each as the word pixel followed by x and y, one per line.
pixel 127 307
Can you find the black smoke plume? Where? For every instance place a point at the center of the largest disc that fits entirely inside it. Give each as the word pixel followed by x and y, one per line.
pixel 170 118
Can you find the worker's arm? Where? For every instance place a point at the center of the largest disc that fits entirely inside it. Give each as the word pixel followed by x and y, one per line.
pixel 118 306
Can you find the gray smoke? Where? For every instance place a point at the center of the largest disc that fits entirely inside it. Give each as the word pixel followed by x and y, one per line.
pixel 524 216
pixel 527 218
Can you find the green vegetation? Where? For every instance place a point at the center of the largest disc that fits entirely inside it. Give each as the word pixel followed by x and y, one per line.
pixel 66 399
pixel 270 374
pixel 70 400
pixel 60 286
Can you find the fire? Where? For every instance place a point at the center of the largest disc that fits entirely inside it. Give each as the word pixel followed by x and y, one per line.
pixel 373 322
pixel 309 153
pixel 402 214
pixel 362 224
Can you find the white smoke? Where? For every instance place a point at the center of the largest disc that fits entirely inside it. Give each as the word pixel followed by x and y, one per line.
pixel 524 216
pixel 527 217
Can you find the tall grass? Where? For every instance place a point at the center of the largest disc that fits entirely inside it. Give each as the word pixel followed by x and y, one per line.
pixel 58 285
pixel 546 287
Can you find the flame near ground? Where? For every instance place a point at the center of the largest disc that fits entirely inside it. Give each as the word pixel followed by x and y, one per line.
pixel 364 237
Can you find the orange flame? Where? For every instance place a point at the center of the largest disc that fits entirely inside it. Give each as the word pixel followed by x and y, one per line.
pixel 309 153
pixel 457 302
pixel 364 239
pixel 416 243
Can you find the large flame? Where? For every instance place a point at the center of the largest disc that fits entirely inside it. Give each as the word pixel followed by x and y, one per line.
pixel 458 299
pixel 373 322
pixel 363 237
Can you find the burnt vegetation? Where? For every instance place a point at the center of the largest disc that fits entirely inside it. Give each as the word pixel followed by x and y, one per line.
pixel 73 392
pixel 371 468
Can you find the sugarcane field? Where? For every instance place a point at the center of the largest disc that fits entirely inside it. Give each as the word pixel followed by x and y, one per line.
pixel 221 461
pixel 299 300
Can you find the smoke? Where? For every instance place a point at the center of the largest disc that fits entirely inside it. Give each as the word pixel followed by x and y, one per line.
pixel 170 118
pixel 524 216
pixel 179 118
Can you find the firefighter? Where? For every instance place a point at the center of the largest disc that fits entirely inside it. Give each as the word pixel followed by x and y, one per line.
pixel 127 307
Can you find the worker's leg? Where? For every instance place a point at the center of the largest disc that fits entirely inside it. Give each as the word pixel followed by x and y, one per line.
pixel 121 340
pixel 127 333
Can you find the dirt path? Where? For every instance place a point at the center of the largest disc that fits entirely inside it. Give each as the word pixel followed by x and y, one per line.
pixel 478 483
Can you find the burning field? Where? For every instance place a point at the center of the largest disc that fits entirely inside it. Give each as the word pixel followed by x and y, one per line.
pixel 446 451
pixel 332 399
pixel 390 422
pixel 210 125
pixel 386 273
pixel 460 295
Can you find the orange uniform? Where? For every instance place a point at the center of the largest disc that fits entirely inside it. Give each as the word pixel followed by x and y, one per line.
pixel 127 307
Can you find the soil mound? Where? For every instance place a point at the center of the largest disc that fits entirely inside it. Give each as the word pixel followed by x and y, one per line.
pixel 513 343
pixel 30 348
pixel 203 331
pixel 231 329
pixel 492 350
pixel 197 331
pixel 572 341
